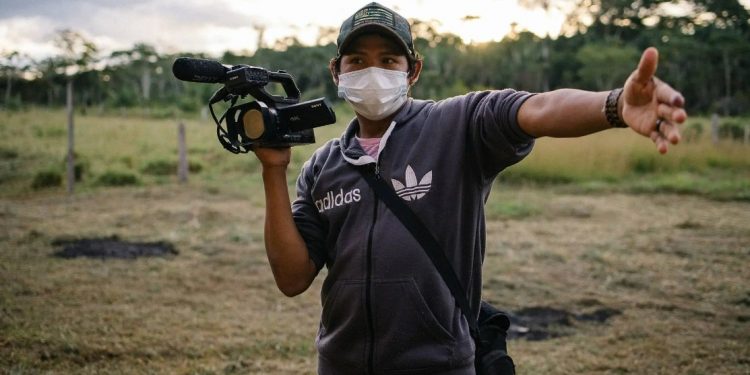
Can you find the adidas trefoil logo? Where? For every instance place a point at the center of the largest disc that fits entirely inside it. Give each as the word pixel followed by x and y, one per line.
pixel 413 190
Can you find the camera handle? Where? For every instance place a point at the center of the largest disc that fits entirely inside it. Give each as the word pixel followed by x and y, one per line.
pixel 287 82
pixel 251 80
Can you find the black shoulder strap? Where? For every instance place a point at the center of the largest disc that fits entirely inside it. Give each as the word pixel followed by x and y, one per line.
pixel 428 242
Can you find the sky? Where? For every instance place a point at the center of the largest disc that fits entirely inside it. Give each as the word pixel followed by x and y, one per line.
pixel 216 26
pixel 29 26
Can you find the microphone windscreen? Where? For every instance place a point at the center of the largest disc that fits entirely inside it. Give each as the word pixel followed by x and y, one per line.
pixel 199 70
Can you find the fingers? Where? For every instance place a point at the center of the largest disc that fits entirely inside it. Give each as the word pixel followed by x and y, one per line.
pixel 661 143
pixel 647 66
pixel 666 94
pixel 664 133
pixel 669 131
pixel 671 114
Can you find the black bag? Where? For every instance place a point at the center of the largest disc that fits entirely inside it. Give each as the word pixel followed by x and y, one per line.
pixel 492 352
pixel 490 331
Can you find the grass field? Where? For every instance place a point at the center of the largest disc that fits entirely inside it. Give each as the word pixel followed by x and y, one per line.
pixel 582 225
pixel 33 142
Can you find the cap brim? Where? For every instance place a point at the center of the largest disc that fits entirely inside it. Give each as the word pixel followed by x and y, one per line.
pixel 373 28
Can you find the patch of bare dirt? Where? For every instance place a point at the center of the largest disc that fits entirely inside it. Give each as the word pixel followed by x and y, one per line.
pixel 543 322
pixel 111 247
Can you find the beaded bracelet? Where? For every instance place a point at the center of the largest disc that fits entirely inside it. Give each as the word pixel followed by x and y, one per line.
pixel 610 109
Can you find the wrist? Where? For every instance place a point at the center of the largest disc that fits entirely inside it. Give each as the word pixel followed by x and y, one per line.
pixel 613 109
pixel 273 173
pixel 275 184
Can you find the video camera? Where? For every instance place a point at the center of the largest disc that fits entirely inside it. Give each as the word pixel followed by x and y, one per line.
pixel 271 120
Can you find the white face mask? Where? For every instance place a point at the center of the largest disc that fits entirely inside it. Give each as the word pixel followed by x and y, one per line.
pixel 374 93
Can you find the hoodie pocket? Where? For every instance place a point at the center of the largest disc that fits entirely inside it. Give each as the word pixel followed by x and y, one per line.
pixel 408 335
pixel 343 329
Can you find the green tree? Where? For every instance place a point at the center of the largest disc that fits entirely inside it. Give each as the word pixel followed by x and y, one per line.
pixel 605 65
pixel 547 6
pixel 141 59
pixel 12 64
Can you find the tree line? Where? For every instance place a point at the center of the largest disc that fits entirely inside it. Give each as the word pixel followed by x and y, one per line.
pixel 704 47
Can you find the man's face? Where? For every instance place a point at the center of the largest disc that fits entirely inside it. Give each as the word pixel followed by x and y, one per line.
pixel 373 50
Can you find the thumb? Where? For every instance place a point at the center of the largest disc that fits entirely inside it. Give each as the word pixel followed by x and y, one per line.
pixel 647 66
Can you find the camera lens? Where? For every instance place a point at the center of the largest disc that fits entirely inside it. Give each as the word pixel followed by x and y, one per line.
pixel 252 122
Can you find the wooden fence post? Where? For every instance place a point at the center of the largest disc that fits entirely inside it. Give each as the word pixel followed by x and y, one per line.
pixel 70 159
pixel 715 128
pixel 747 134
pixel 182 165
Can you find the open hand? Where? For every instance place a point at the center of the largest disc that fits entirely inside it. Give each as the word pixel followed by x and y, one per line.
pixel 650 106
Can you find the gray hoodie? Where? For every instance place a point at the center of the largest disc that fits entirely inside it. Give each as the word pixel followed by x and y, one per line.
pixel 386 310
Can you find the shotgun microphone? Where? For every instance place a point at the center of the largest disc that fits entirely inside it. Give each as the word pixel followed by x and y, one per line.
pixel 199 70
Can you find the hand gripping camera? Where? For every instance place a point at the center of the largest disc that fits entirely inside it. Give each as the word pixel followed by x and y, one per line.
pixel 271 120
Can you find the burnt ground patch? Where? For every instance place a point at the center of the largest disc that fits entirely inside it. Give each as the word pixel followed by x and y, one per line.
pixel 543 323
pixel 111 247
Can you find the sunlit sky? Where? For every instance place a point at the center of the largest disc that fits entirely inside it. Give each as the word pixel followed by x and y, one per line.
pixel 215 26
pixel 29 26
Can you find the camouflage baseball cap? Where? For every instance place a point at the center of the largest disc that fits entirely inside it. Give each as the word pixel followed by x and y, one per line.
pixel 374 17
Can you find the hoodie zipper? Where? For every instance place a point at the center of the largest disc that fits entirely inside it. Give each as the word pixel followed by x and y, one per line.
pixel 368 284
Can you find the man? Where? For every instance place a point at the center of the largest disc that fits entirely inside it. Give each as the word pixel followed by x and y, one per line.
pixel 385 307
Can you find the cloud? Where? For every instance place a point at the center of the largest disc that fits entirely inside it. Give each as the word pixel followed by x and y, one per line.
pixel 26 35
pixel 56 9
pixel 30 26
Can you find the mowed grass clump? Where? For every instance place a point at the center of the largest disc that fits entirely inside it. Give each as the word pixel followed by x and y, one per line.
pixel 168 167
pixel 117 178
pixel 46 179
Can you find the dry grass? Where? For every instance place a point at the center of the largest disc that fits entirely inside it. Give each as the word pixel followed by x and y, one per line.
pixel 622 162
pixel 618 153
pixel 210 308
pixel 676 266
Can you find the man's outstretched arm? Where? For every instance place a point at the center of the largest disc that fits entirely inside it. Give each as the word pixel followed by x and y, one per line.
pixel 645 99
